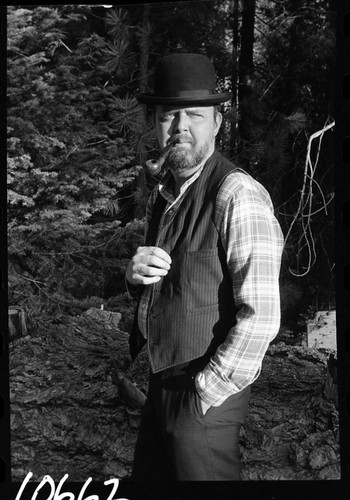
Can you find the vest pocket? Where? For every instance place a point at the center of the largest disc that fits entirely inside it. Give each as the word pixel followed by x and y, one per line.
pixel 204 275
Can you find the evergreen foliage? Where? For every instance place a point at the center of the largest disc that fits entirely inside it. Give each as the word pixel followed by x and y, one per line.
pixel 68 161
pixel 77 138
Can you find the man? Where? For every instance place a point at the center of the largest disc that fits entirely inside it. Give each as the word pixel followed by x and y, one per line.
pixel 207 283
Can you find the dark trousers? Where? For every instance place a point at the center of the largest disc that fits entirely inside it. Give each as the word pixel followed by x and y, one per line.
pixel 177 442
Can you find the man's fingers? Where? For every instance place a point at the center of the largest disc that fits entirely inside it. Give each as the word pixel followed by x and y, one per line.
pixel 147 280
pixel 154 261
pixel 159 252
pixel 146 270
pixel 148 266
pixel 156 252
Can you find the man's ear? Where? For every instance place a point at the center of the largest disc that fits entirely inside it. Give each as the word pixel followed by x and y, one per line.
pixel 218 121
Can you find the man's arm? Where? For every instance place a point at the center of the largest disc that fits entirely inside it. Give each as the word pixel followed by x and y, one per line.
pixel 253 241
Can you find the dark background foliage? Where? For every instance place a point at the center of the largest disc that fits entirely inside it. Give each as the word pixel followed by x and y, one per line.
pixel 78 139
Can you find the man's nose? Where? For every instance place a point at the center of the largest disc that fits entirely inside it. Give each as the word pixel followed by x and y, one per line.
pixel 181 123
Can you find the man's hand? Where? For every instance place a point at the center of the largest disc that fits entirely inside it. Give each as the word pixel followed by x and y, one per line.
pixel 148 265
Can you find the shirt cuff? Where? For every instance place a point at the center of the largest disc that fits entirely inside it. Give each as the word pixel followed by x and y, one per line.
pixel 212 389
pixel 212 399
pixel 134 291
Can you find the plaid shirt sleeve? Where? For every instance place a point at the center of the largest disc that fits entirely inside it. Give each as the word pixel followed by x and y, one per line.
pixel 253 241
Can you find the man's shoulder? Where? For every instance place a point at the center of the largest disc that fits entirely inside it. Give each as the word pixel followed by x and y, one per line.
pixel 240 179
pixel 238 183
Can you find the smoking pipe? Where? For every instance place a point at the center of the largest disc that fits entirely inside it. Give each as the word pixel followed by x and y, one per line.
pixel 155 166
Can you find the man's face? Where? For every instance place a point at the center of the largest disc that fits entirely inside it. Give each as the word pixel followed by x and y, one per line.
pixel 190 130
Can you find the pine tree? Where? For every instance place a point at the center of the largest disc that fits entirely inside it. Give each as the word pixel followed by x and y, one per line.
pixel 69 157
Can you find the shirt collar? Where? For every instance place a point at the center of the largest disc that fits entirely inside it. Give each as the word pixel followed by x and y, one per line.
pixel 166 184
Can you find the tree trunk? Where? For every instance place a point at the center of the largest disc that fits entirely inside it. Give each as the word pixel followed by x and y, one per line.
pixel 144 49
pixel 235 78
pixel 140 183
pixel 294 62
pixel 246 67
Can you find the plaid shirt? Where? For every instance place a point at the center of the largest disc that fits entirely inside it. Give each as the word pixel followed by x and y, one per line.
pixel 253 242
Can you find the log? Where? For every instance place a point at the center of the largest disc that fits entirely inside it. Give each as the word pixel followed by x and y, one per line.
pixel 291 431
pixel 76 398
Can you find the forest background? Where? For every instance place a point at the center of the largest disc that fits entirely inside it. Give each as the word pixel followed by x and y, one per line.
pixel 78 140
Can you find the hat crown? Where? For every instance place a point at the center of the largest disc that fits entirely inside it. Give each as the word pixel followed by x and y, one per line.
pixel 184 79
pixel 178 73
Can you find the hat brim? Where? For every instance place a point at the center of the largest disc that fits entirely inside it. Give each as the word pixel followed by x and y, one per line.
pixel 208 100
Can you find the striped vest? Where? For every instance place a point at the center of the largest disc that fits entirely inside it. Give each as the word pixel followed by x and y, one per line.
pixel 192 308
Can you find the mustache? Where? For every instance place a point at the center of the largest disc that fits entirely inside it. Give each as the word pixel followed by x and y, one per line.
pixel 179 139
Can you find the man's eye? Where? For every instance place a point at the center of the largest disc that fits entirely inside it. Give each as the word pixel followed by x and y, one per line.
pixel 192 113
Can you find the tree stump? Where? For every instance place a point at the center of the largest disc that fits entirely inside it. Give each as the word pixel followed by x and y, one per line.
pixel 16 323
pixel 331 384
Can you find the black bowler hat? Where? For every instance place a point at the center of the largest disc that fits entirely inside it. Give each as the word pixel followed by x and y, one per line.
pixel 184 79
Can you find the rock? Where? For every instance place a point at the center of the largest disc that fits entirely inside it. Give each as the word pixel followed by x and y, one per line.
pixel 321 457
pixel 105 319
pixel 330 472
pixel 321 330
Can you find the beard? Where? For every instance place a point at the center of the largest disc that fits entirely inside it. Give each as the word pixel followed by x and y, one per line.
pixel 180 160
